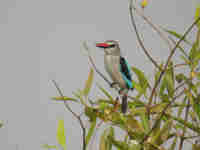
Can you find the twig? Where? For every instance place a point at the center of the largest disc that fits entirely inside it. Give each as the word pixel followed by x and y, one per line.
pixel 160 33
pixel 162 114
pixel 138 37
pixel 74 114
pixel 93 64
pixel 184 128
pixel 162 73
pixel 180 65
pixel 191 137
pixel 182 50
pixel 169 58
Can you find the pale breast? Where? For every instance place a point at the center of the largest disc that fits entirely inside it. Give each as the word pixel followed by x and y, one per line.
pixel 112 67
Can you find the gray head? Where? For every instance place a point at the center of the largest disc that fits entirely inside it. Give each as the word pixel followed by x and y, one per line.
pixel 110 47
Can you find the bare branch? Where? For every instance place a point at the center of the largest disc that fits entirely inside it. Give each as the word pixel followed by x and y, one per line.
pixel 156 28
pixel 169 59
pixel 93 64
pixel 74 114
pixel 138 37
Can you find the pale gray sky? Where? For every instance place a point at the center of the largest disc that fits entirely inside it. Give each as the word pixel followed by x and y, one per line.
pixel 41 40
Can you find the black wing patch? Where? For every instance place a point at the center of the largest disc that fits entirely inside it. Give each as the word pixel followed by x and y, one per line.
pixel 124 69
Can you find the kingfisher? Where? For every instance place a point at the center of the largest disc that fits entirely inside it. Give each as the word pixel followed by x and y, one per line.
pixel 118 69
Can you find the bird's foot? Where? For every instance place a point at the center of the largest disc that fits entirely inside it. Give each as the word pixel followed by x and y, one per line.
pixel 113 84
pixel 123 91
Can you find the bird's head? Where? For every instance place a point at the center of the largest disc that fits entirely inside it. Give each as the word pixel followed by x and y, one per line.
pixel 110 47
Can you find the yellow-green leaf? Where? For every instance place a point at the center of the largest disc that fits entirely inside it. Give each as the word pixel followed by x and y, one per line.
pixel 118 144
pixel 1 123
pixel 195 147
pixel 167 83
pixel 138 88
pixel 88 83
pixel 197 106
pixel 103 139
pixel 64 98
pixel 197 15
pixel 141 78
pixel 187 124
pixel 46 146
pixel 91 130
pixel 145 122
pixel 132 123
pixel 162 134
pixel 106 93
pixel 61 134
pixel 173 145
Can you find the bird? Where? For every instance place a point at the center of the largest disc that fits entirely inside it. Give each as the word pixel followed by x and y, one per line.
pixel 118 69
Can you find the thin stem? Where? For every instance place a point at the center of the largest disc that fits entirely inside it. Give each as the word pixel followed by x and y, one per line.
pixel 156 28
pixel 74 114
pixel 184 129
pixel 169 58
pixel 162 114
pixel 139 39
pixel 191 137
pixel 180 65
pixel 93 64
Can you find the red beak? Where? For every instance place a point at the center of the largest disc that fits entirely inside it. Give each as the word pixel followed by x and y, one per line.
pixel 102 45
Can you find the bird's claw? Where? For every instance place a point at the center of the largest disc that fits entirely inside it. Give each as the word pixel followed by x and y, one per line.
pixel 113 84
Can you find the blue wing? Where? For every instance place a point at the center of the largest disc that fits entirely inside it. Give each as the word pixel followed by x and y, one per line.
pixel 126 72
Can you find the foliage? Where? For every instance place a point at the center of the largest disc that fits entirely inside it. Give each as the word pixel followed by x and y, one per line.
pixel 167 110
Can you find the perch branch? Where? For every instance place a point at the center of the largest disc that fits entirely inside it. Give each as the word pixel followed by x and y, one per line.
pixel 93 64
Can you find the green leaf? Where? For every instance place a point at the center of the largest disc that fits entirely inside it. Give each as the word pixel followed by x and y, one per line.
pixel 91 113
pixel 141 78
pixel 186 60
pixel 197 106
pixel 88 83
pixel 106 93
pixel 91 130
pixel 61 134
pixel 177 35
pixel 180 77
pixel 195 147
pixel 134 124
pixel 167 84
pixel 162 134
pixel 46 146
pixel 105 143
pixel 145 122
pixel 197 15
pixel 138 88
pixel 111 134
pixel 173 145
pixel 187 124
pixel 193 52
pixel 118 144
pixel 60 98
pixel 180 110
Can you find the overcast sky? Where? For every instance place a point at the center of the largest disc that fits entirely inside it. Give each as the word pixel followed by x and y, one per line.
pixel 41 40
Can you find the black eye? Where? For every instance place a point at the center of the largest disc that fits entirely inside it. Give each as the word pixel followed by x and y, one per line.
pixel 113 45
